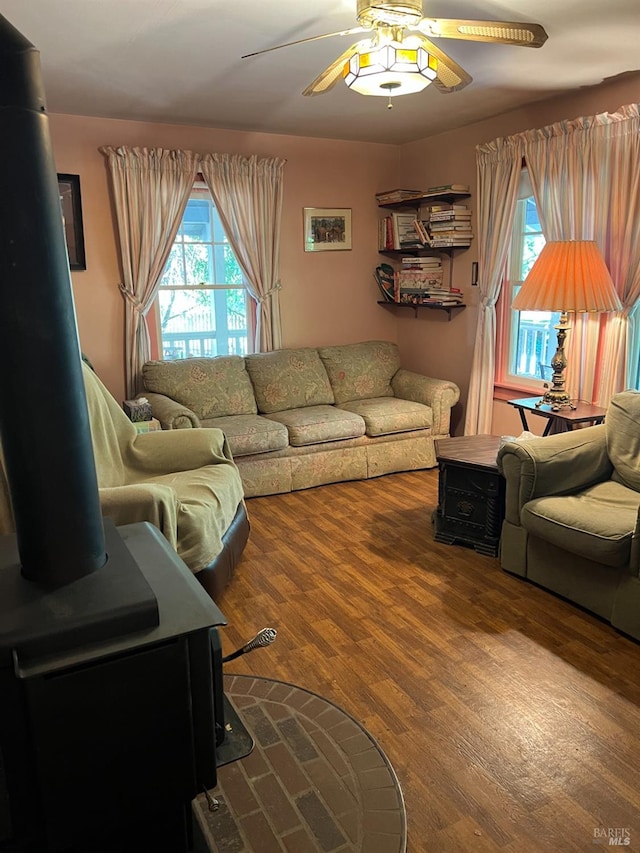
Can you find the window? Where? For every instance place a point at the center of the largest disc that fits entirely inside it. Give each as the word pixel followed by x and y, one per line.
pixel 202 300
pixel 528 337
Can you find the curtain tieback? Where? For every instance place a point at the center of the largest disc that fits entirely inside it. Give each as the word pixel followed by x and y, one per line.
pixel 270 292
pixel 131 298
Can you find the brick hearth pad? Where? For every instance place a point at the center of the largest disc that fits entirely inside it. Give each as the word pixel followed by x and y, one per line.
pixel 315 780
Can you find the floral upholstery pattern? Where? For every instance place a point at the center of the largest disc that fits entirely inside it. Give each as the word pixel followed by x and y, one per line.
pixel 288 379
pixel 298 418
pixel 210 387
pixel 385 415
pixel 248 434
pixel 317 424
pixel 361 371
pixel 438 394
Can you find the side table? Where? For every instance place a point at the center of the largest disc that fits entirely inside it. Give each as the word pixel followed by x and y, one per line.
pixel 470 493
pixel 564 419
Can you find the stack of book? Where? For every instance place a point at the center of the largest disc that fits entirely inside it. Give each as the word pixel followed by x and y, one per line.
pixel 418 275
pixel 450 225
pixel 447 188
pixel 442 297
pixel 391 196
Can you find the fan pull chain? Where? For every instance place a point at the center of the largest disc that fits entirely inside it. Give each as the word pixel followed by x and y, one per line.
pixel 390 87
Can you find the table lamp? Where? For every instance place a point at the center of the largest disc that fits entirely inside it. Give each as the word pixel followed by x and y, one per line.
pixel 568 275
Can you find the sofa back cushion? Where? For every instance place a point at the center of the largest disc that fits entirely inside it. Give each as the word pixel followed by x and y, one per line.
pixel 210 387
pixel 622 425
pixel 288 379
pixel 361 371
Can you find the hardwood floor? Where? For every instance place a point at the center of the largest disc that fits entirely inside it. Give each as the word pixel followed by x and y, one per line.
pixel 511 717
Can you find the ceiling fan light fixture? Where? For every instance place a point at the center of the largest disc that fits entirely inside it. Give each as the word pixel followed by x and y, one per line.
pixel 405 70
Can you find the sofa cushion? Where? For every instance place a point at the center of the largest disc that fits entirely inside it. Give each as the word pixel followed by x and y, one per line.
pixel 623 438
pixel 248 434
pixel 386 415
pixel 361 371
pixel 210 387
pixel 596 524
pixel 288 379
pixel 315 424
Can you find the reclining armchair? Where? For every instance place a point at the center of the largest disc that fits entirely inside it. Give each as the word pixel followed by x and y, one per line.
pixel 184 482
pixel 571 516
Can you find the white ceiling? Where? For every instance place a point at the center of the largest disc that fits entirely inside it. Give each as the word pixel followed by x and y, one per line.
pixel 178 61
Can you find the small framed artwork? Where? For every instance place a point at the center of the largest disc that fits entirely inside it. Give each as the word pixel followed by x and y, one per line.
pixel 71 202
pixel 327 229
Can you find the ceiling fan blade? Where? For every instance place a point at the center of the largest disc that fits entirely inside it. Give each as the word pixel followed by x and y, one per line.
pixel 330 76
pixel 450 76
pixel 499 32
pixel 303 41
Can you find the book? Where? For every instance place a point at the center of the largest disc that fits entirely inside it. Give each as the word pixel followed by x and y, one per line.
pixel 449 243
pixel 385 282
pixel 443 208
pixel 404 233
pixel 421 230
pixel 448 188
pixel 449 225
pixel 450 215
pixel 423 260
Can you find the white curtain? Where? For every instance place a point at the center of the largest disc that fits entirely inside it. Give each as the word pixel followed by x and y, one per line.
pixel 585 175
pixel 248 193
pixel 499 165
pixel 151 188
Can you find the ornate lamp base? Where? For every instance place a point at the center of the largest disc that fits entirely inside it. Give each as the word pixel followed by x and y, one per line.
pixel 556 396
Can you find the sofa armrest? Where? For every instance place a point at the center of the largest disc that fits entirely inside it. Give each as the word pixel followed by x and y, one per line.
pixel 172 415
pixel 554 465
pixel 440 394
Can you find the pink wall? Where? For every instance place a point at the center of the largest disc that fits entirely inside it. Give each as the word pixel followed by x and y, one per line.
pixel 327 298
pixel 435 345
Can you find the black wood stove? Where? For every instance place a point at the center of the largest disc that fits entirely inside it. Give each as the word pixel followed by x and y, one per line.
pixel 110 665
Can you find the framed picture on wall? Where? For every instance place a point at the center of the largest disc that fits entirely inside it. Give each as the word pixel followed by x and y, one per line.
pixel 71 202
pixel 327 229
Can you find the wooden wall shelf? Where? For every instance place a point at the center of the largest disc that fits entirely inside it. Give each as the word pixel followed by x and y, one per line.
pixel 416 308
pixel 425 200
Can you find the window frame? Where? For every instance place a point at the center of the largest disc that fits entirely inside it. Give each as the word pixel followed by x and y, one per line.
pixel 507 321
pixel 200 191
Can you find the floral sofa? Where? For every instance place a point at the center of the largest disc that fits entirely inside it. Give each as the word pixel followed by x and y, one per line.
pixel 297 418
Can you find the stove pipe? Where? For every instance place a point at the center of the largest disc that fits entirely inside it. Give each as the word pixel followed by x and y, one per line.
pixel 44 422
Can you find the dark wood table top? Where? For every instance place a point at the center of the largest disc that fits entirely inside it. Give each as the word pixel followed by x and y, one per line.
pixel 477 451
pixel 582 413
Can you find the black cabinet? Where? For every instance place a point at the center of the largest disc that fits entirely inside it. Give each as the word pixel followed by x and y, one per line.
pixel 470 493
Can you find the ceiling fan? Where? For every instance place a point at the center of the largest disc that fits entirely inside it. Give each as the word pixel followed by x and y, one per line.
pixel 397 58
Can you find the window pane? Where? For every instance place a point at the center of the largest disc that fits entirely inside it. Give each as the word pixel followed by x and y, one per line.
pixel 174 270
pixel 202 301
pixel 196 223
pixel 535 343
pixel 196 263
pixel 203 323
pixel 531 336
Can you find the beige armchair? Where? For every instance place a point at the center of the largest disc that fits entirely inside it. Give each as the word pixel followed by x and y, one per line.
pixel 572 513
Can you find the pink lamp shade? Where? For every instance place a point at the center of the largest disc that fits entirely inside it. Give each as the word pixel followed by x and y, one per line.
pixel 568 275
